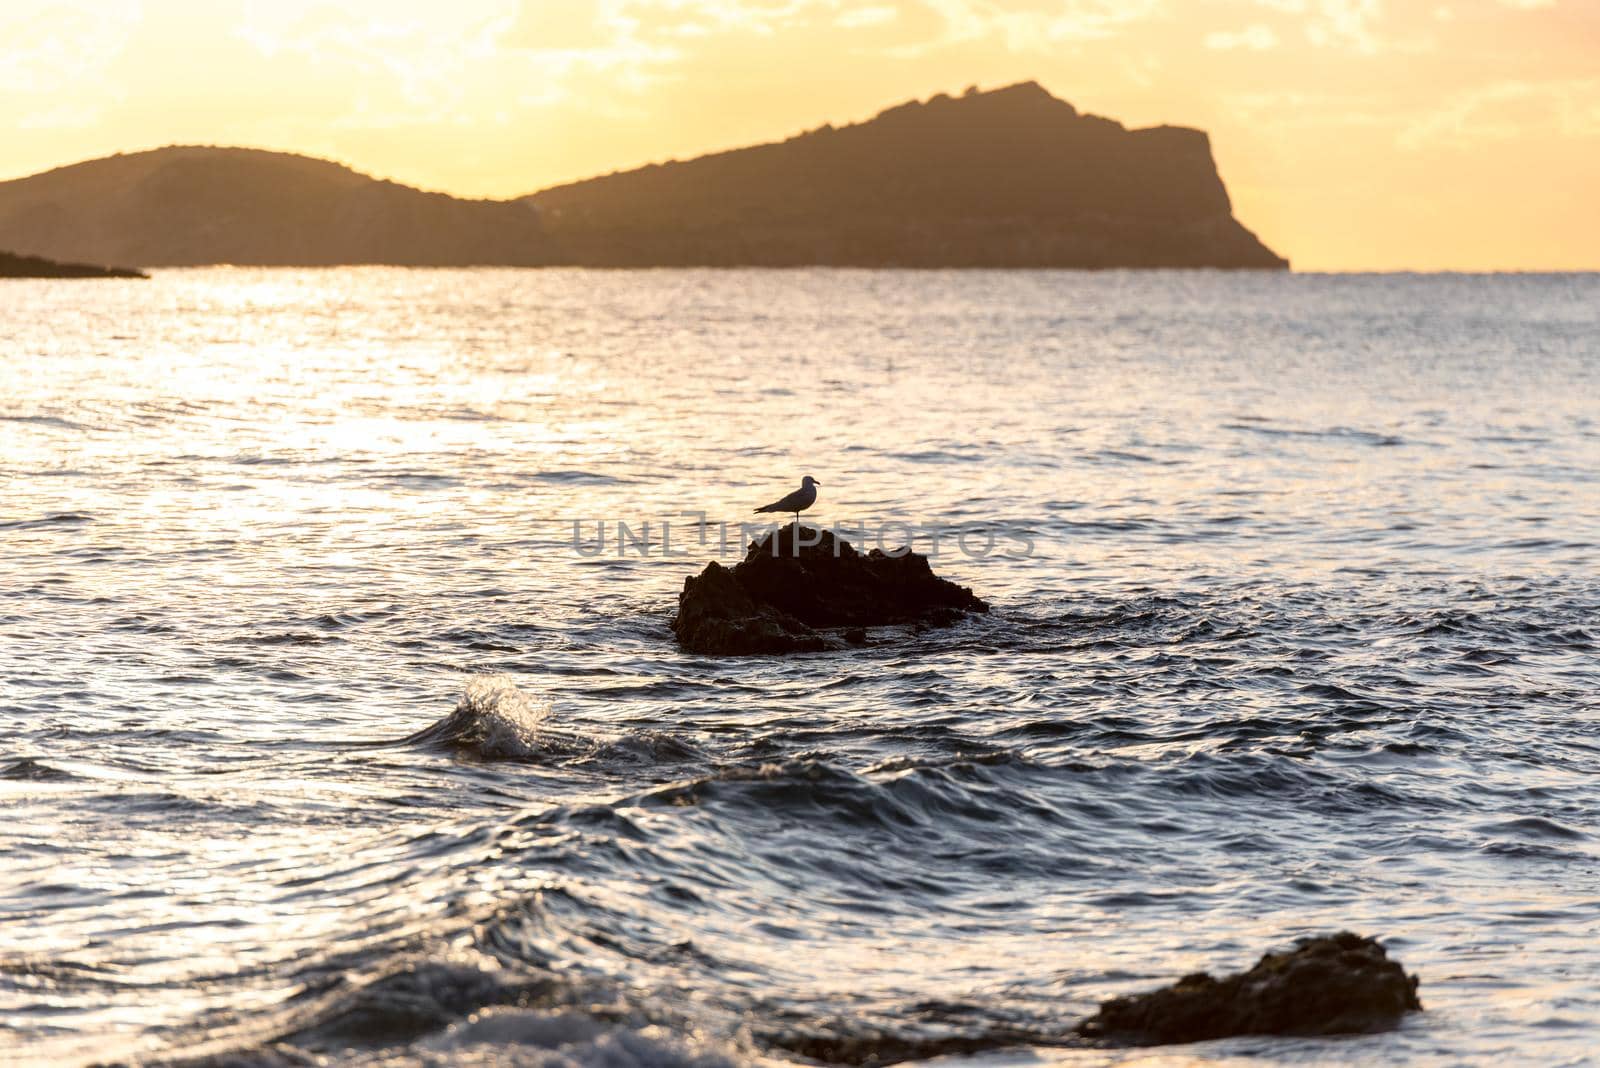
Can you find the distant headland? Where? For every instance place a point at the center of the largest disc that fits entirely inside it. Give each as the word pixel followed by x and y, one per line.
pixel 1012 177
pixel 14 266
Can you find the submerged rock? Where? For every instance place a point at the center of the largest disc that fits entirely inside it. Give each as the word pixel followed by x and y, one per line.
pixel 793 590
pixel 1331 984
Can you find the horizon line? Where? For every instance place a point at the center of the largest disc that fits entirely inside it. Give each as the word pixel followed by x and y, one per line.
pixel 1328 272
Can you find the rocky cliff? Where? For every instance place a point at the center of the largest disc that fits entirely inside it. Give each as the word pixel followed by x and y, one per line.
pixel 1008 178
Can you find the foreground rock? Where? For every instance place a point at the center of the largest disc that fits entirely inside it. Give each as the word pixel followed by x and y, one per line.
pixel 14 266
pixel 819 594
pixel 1332 984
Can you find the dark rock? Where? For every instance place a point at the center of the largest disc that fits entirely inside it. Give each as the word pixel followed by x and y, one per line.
pixel 1331 984
pixel 716 615
pixel 786 596
pixel 14 266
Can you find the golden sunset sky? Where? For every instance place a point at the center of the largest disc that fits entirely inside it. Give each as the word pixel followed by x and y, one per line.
pixel 1352 134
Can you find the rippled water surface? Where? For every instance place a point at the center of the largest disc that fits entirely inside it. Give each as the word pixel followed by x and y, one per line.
pixel 322 740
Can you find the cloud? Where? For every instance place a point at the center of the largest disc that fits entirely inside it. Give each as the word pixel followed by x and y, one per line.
pixel 568 26
pixel 665 33
pixel 1074 20
pixel 1283 112
pixel 50 48
pixel 1509 111
pixel 866 16
pixel 1347 23
pixel 664 37
pixel 1257 38
pixel 1026 25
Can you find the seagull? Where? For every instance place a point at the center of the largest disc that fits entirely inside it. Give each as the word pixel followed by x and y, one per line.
pixel 798 501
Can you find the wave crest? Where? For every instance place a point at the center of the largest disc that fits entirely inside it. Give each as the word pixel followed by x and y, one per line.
pixel 494 719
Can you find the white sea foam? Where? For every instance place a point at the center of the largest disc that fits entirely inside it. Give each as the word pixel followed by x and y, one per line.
pixel 522 1037
pixel 498 719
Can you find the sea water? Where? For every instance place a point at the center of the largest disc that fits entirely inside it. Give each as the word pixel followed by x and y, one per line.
pixel 328 731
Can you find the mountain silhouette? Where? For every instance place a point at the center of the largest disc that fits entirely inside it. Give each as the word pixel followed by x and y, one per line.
pixel 188 205
pixel 1012 177
pixel 1008 178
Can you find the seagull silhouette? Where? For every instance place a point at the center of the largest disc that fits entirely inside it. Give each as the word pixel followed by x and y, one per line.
pixel 798 501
